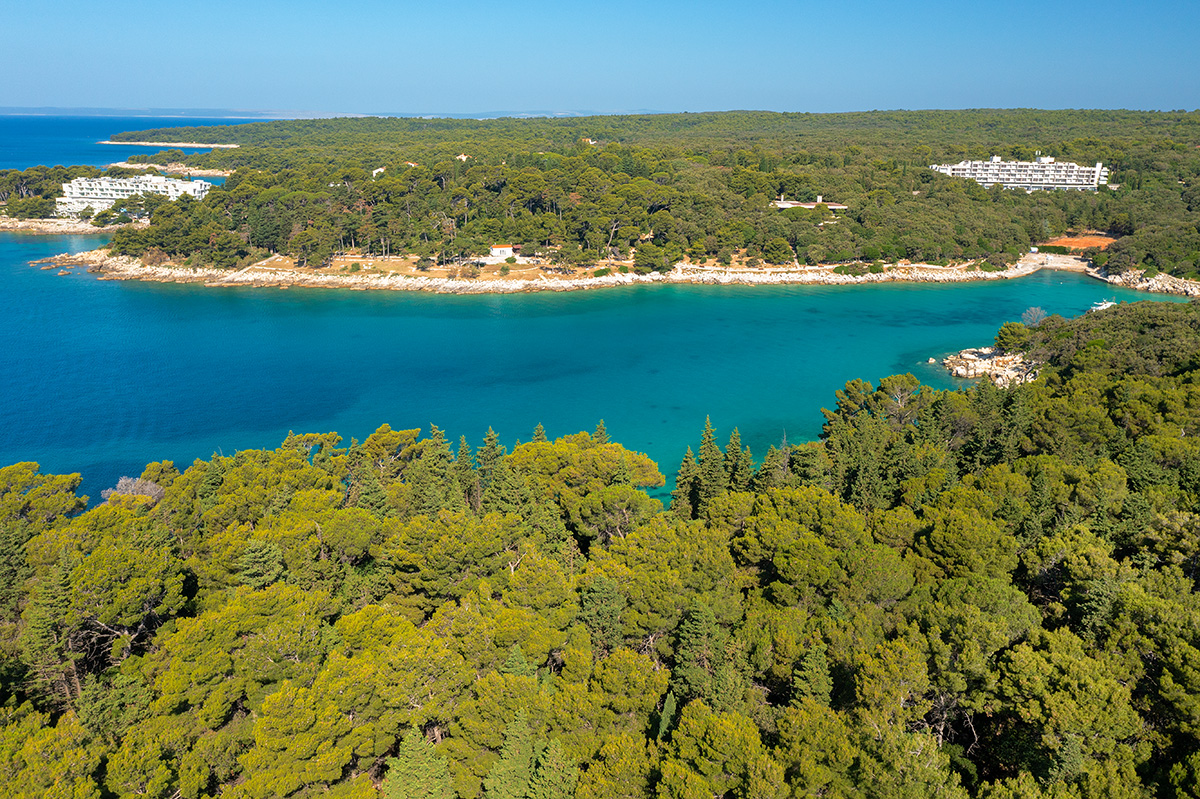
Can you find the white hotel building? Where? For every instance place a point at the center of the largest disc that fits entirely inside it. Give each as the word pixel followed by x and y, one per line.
pixel 1043 174
pixel 100 193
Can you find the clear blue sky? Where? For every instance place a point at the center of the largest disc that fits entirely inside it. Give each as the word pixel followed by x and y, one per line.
pixel 371 56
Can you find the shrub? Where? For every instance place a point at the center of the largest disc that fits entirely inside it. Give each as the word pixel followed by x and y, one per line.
pixel 602 272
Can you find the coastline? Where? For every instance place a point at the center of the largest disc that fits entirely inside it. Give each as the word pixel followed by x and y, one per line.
pixel 170 144
pixel 56 227
pixel 262 275
pixel 177 169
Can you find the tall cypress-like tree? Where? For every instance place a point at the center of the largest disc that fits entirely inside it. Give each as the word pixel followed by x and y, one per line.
pixel 811 677
pixel 600 436
pixel 512 773
pixel 686 496
pixel 468 478
pixel 739 468
pixel 554 775
pixel 507 491
pixel 601 604
pixel 489 455
pixel 698 653
pixel 539 434
pixel 713 477
pixel 417 772
pixel 434 482
pixel 517 663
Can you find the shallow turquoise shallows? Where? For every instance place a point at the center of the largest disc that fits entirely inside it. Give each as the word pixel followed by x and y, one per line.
pixel 104 376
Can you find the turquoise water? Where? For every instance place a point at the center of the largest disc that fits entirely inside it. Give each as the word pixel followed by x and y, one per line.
pixel 103 376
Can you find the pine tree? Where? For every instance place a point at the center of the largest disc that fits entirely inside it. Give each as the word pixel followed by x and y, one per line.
pixel 371 495
pixel 468 478
pixel 554 775
pixel 417 772
pixel 666 719
pixel 600 436
pixel 489 456
pixel 773 472
pixel 434 482
pixel 507 492
pixel 539 434
pixel 698 653
pixel 42 639
pixel 261 563
pixel 622 476
pixel 14 567
pixel 512 773
pixel 713 477
pixel 686 495
pixel 739 469
pixel 517 664
pixel 601 604
pixel 811 677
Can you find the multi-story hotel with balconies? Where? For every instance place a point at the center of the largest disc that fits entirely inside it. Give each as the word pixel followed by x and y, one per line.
pixel 1043 174
pixel 101 193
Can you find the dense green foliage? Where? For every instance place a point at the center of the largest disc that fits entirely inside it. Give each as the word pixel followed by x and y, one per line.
pixel 665 187
pixel 985 593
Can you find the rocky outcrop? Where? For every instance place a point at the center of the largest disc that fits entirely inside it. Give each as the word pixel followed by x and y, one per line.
pixel 175 168
pixel 54 227
pixel 1002 369
pixel 1159 283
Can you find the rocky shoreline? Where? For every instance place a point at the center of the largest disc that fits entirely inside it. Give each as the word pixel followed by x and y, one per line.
pixel 55 227
pixel 264 275
pixel 175 168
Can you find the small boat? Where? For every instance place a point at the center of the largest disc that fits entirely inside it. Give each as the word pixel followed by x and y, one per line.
pixel 1102 305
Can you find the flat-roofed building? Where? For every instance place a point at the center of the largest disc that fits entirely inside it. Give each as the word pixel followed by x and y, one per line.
pixel 785 204
pixel 101 193
pixel 1041 175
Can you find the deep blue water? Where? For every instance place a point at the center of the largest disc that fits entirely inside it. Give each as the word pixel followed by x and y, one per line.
pixel 27 141
pixel 104 376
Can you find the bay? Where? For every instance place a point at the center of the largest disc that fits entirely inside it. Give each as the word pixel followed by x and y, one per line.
pixel 104 376
pixel 30 140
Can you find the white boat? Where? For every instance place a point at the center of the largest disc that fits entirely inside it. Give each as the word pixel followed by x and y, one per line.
pixel 1101 305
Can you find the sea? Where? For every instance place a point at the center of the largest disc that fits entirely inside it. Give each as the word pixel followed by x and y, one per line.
pixel 101 377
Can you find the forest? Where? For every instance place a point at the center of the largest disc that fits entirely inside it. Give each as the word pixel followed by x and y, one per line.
pixel 973 593
pixel 660 189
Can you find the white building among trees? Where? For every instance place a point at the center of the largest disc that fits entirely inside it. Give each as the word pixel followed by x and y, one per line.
pixel 1043 174
pixel 101 193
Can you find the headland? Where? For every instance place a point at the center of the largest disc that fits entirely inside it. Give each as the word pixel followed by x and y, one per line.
pixel 171 144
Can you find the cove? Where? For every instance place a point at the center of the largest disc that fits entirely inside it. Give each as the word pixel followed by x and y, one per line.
pixel 101 377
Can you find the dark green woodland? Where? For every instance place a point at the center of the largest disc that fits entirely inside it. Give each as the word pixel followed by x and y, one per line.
pixel 975 593
pixel 658 189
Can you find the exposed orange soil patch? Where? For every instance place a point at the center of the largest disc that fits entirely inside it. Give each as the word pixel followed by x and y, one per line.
pixel 1083 241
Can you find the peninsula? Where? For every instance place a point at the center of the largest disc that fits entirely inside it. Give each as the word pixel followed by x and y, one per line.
pixel 188 144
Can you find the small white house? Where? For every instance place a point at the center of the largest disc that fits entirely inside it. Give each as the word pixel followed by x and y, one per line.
pixel 501 251
pixel 785 204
